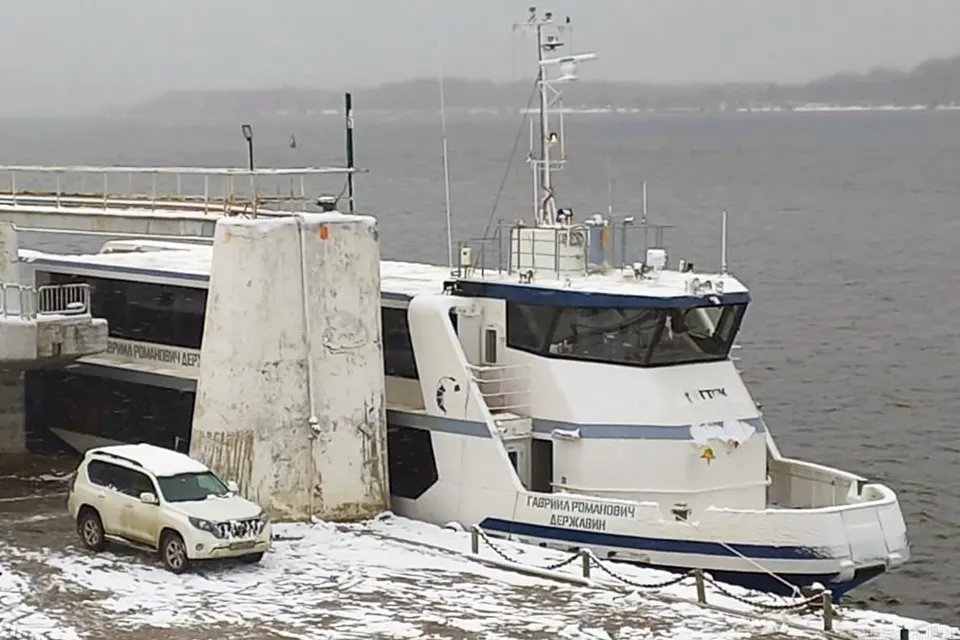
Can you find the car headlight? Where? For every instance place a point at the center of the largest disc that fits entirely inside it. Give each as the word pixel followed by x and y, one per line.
pixel 204 525
pixel 264 517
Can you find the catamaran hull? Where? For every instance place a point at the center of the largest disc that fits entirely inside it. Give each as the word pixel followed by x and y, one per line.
pixel 674 556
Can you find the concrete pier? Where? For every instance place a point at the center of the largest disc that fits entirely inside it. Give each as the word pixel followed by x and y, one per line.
pixel 46 327
pixel 290 399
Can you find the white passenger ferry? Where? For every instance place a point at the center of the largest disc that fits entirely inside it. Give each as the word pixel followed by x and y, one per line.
pixel 570 396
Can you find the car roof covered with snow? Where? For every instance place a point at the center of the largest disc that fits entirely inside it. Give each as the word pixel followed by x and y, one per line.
pixel 156 460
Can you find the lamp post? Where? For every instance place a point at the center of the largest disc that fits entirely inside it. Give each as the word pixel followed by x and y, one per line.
pixel 248 136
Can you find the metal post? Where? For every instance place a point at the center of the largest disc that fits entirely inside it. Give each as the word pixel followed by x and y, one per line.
pixel 475 540
pixel 348 114
pixel 585 563
pixel 827 600
pixel 701 586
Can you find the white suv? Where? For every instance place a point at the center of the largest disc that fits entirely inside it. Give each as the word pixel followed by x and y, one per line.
pixel 160 500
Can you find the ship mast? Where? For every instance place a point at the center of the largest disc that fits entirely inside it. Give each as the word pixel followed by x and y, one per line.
pixel 548 41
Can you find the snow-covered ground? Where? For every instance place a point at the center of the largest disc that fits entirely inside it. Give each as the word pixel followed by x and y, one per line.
pixel 387 578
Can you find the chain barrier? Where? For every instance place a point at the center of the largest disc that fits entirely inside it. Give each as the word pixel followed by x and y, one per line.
pixel 818 600
pixel 595 561
pixel 550 567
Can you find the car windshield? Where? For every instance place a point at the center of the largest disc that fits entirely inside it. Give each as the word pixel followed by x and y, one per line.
pixel 187 487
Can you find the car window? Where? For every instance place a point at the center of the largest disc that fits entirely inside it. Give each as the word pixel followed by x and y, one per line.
pixel 104 474
pixel 120 479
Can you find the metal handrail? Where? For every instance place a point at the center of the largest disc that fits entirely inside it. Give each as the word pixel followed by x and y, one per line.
pixel 206 189
pixel 27 303
pixel 499 253
pixel 515 398
pixel 64 299
pixel 18 301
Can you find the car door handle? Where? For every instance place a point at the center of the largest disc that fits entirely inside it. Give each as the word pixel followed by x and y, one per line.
pixel 102 496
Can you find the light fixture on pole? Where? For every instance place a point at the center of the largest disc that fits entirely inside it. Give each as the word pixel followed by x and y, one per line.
pixel 248 136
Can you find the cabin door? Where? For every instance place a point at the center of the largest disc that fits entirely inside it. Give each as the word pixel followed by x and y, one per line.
pixel 519 453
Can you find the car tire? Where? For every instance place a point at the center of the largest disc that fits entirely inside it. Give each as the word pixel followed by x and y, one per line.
pixel 173 552
pixel 252 558
pixel 90 530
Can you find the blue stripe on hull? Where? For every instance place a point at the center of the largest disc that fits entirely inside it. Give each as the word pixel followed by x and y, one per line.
pixel 750 580
pixel 662 545
pixel 767 583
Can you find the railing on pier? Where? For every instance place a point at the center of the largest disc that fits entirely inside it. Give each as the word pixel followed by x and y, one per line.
pixel 197 189
pixel 616 244
pixel 64 299
pixel 27 303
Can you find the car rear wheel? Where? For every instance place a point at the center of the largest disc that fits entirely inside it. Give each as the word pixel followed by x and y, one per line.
pixel 173 552
pixel 90 530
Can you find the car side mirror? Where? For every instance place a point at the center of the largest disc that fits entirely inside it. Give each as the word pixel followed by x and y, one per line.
pixel 233 487
pixel 148 498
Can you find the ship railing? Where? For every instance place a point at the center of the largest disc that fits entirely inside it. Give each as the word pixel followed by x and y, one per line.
pixel 505 388
pixel 64 299
pixel 796 484
pixel 196 189
pixel 568 250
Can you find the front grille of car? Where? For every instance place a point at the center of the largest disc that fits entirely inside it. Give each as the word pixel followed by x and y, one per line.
pixel 240 528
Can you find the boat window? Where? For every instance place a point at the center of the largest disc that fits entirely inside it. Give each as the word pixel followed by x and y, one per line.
pixel 398 359
pixel 607 335
pixel 412 463
pixel 104 408
pixel 698 334
pixel 528 325
pixel 145 311
pixel 638 337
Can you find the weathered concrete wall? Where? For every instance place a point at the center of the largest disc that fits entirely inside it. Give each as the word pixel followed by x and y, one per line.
pixel 290 398
pixel 9 253
pixel 13 437
pixel 70 338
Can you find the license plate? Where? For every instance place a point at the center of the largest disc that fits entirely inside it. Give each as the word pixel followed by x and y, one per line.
pixel 246 544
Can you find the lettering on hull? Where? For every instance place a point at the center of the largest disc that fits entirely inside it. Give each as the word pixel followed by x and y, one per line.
pixel 139 351
pixel 571 513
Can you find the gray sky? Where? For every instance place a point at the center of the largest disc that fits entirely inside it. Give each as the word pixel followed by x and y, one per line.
pixel 69 56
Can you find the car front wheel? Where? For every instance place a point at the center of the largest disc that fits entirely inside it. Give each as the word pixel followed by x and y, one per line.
pixel 173 552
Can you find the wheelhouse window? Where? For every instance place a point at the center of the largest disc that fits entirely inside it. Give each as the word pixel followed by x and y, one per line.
pixel 639 337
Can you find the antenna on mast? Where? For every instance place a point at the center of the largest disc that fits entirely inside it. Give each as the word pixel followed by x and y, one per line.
pixel 643 211
pixel 609 191
pixel 723 242
pixel 446 163
pixel 545 208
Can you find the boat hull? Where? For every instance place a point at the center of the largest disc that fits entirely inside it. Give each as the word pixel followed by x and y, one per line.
pixel 738 565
